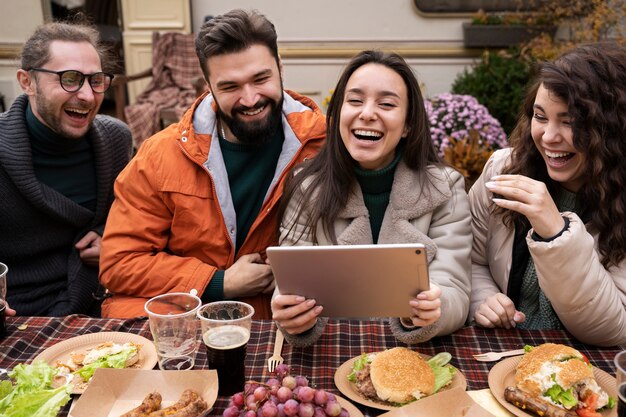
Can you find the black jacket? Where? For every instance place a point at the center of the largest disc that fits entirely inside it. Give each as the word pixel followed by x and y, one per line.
pixel 39 226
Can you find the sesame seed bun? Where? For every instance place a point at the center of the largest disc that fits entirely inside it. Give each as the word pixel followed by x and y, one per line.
pixel 536 366
pixel 401 375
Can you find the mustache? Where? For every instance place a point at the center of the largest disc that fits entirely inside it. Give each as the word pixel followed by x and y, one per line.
pixel 259 104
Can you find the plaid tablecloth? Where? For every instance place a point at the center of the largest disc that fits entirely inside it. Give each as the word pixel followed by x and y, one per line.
pixel 342 340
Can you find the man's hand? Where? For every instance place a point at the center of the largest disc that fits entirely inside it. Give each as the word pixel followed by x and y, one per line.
pixel 530 198
pixel 498 311
pixel 249 276
pixel 89 249
pixel 294 313
pixel 426 306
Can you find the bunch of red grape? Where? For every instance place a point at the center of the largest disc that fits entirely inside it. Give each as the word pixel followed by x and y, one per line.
pixel 284 396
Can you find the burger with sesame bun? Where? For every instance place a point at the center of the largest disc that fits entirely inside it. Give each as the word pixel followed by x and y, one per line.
pixel 399 376
pixel 557 380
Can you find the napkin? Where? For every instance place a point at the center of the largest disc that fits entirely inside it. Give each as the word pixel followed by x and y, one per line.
pixel 489 402
pixel 454 402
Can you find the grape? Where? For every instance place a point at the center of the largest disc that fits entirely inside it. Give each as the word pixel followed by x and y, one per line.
pixel 238 399
pixel 260 393
pixel 291 408
pixel 232 411
pixel 283 394
pixel 301 381
pixel 269 409
pixel 289 382
pixel 321 397
pixel 282 370
pixel 306 394
pixel 333 408
pixel 251 402
pixel 319 412
pixel 306 410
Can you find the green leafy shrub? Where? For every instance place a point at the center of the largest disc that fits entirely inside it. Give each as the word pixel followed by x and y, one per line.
pixel 498 82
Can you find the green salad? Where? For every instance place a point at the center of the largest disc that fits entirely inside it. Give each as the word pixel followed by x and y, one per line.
pixel 29 393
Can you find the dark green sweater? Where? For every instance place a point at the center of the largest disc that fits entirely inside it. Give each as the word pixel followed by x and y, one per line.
pixel 65 165
pixel 376 187
pixel 250 171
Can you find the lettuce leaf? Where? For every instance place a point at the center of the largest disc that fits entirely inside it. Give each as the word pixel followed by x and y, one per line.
pixel 560 396
pixel 443 375
pixel 359 364
pixel 32 393
pixel 116 360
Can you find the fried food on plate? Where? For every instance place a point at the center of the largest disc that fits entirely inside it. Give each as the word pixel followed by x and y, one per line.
pixel 556 380
pixel 190 404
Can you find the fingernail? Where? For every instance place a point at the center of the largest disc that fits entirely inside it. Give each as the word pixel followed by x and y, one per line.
pixel 513 324
pixel 300 299
pixel 490 184
pixel 318 309
pixel 310 303
pixel 495 177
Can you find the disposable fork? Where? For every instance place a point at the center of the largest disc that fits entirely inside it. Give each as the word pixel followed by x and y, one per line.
pixel 495 356
pixel 276 359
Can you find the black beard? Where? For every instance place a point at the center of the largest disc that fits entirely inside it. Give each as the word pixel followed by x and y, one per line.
pixel 258 132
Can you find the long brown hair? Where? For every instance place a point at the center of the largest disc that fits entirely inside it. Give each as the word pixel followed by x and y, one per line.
pixel 331 172
pixel 591 80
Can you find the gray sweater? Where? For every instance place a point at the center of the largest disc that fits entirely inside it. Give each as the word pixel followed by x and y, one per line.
pixel 39 226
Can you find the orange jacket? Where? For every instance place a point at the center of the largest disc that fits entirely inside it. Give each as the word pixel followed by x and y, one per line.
pixel 173 224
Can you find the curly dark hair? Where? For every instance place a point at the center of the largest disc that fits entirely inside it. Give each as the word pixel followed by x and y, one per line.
pixel 332 170
pixel 591 80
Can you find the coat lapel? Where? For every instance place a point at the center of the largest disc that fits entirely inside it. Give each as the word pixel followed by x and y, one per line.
pixel 412 197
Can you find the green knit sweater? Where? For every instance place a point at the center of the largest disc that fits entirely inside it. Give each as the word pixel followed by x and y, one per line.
pixel 376 188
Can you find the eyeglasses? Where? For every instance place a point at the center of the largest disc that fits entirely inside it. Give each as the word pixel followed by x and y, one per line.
pixel 72 80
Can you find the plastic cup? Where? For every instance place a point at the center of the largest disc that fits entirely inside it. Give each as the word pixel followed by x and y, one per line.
pixel 225 333
pixel 174 329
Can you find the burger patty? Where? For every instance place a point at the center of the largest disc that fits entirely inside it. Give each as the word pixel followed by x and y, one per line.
pixel 364 383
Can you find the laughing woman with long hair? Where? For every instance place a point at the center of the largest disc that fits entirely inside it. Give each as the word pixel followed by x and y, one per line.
pixel 549 214
pixel 378 180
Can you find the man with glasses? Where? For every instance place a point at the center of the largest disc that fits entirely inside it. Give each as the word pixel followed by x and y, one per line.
pixel 58 162
pixel 199 204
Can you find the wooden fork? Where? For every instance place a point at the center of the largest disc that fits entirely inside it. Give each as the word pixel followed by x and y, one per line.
pixel 276 359
pixel 495 356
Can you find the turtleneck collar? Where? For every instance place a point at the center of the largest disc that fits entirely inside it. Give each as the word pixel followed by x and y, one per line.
pixel 379 180
pixel 45 140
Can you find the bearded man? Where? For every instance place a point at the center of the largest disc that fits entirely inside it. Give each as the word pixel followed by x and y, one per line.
pixel 198 205
pixel 58 161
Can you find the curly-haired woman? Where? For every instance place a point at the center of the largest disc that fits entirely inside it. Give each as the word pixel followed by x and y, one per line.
pixel 549 214
pixel 378 180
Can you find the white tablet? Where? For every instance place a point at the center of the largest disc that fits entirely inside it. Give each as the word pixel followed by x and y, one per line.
pixel 353 280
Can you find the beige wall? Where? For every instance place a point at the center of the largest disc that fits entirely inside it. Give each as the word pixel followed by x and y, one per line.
pixel 18 20
pixel 317 38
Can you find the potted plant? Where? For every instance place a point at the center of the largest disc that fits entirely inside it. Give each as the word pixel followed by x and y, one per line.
pixel 503 30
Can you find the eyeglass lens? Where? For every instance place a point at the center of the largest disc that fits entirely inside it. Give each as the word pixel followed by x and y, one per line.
pixel 72 81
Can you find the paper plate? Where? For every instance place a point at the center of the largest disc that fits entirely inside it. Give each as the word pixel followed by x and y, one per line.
pixel 62 350
pixel 502 375
pixel 349 389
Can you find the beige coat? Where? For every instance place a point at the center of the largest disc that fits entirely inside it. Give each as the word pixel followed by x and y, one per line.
pixel 589 300
pixel 438 217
